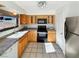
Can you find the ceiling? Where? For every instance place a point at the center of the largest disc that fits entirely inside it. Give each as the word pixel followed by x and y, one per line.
pixel 5 13
pixel 31 6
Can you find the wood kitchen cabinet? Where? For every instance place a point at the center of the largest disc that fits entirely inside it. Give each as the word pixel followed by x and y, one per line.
pixel 29 19
pixel 41 16
pixel 23 19
pixel 51 36
pixel 33 19
pixel 32 36
pixel 54 20
pixel 22 44
pixel 51 19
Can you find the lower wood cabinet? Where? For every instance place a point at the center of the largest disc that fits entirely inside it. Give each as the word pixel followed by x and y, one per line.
pixel 32 36
pixel 22 44
pixel 51 36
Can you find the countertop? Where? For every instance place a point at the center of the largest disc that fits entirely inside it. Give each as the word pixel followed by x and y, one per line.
pixel 51 29
pixel 10 40
pixel 37 29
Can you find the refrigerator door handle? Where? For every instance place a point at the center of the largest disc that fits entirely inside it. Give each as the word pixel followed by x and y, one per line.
pixel 74 33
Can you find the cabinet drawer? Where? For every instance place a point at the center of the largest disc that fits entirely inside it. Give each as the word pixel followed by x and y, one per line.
pixel 32 36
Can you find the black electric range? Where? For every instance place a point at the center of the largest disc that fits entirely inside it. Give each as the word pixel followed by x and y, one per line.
pixel 41 34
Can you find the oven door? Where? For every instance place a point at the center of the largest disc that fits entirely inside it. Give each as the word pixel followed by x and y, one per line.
pixel 41 37
pixel 42 34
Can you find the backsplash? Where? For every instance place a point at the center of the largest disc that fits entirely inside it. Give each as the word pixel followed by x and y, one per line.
pixel 49 26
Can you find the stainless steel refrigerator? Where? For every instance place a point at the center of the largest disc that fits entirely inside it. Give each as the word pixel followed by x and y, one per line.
pixel 72 37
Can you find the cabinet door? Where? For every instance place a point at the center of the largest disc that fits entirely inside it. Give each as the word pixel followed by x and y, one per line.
pixel 22 44
pixel 23 19
pixel 50 19
pixel 54 20
pixel 32 36
pixel 29 36
pixel 29 19
pixel 20 48
pixel 25 40
pixel 33 20
pixel 51 36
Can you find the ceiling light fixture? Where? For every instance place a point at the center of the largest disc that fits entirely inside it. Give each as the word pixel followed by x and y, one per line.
pixel 42 4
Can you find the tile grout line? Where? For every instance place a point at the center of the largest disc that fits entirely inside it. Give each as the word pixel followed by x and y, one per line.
pixel 38 47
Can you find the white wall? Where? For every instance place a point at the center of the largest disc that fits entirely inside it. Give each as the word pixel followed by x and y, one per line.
pixel 60 19
pixel 73 9
pixel 11 6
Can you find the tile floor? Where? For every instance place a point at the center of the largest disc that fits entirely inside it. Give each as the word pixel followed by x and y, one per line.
pixel 37 50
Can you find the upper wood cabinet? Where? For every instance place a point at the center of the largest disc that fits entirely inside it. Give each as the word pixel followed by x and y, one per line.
pixel 29 19
pixel 51 36
pixel 51 19
pixel 54 20
pixel 32 19
pixel 34 35
pixel 23 19
pixel 41 16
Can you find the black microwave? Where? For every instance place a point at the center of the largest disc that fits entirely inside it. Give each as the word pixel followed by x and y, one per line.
pixel 42 21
